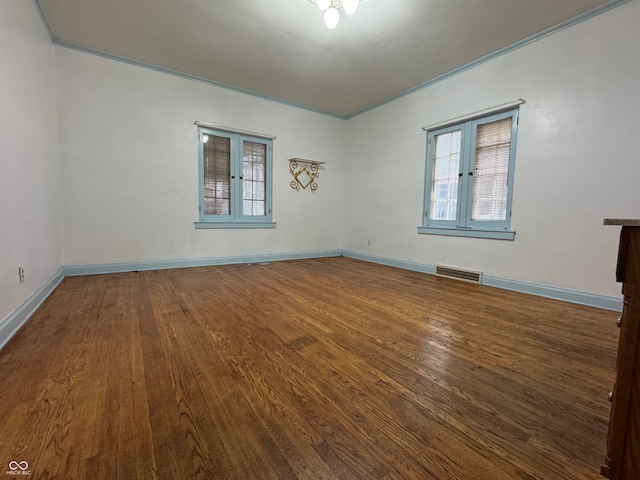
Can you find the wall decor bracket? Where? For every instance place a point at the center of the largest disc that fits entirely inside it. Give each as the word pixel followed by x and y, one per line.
pixel 304 173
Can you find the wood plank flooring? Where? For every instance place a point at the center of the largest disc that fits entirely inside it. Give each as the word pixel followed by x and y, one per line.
pixel 312 369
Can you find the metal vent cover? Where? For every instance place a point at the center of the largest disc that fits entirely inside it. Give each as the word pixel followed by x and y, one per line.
pixel 459 274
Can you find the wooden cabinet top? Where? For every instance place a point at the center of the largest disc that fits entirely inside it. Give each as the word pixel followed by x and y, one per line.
pixel 625 222
pixel 628 270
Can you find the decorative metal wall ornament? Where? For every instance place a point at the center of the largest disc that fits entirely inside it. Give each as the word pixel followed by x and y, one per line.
pixel 304 173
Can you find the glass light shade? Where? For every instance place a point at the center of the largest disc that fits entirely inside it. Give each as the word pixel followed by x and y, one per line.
pixel 205 138
pixel 350 6
pixel 323 4
pixel 331 18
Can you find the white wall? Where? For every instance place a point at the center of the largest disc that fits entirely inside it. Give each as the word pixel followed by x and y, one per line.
pixel 128 152
pixel 580 119
pixel 29 183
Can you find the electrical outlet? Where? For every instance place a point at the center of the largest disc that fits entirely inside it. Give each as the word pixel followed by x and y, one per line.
pixel 368 243
pixel 21 274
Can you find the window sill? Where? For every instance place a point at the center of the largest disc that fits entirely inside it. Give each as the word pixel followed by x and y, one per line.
pixel 467 232
pixel 204 225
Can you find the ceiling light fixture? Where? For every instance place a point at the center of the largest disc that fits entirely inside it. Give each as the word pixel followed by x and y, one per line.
pixel 330 9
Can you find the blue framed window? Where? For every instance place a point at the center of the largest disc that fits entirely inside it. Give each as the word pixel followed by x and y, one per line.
pixel 469 177
pixel 235 180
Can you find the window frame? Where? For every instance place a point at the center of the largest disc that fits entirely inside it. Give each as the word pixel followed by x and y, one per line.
pixel 464 226
pixel 236 217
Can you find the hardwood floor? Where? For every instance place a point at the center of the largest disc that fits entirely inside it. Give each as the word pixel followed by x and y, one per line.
pixel 312 369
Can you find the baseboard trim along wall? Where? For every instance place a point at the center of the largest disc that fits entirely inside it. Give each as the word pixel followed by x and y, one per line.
pixel 391 262
pixel 75 270
pixel 14 322
pixel 546 291
pixel 10 325
pixel 556 293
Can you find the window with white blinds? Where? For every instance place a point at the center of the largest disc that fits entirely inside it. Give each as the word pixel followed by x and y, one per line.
pixel 469 178
pixel 235 180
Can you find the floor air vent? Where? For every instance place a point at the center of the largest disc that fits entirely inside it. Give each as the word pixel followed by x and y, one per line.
pixel 459 274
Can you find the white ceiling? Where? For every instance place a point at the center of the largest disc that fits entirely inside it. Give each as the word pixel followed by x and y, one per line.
pixel 281 48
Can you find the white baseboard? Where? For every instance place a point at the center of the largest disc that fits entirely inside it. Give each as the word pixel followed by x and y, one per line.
pixel 547 291
pixel 14 322
pixel 75 270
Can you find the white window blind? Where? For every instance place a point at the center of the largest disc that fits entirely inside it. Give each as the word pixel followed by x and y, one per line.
pixel 217 175
pixel 491 172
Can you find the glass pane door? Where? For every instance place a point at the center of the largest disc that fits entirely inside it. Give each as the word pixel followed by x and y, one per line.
pixel 217 175
pixel 254 163
pixel 446 167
